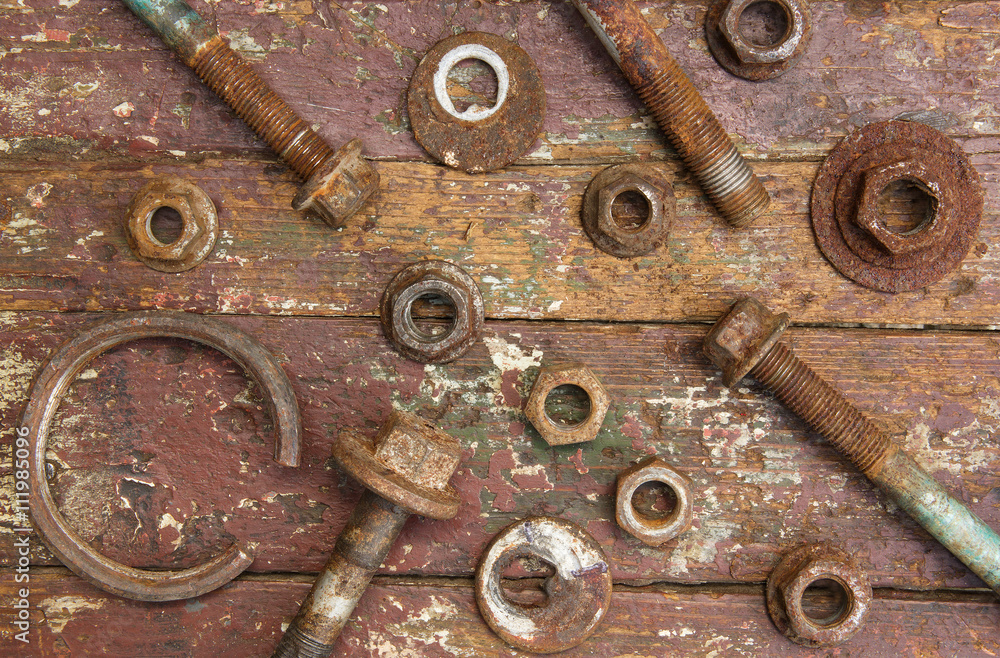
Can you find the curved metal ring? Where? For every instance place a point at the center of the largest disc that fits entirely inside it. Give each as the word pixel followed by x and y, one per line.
pixel 53 381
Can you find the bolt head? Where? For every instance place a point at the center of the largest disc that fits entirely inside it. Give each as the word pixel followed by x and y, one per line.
pixel 551 376
pixel 742 338
pixel 339 186
pixel 751 53
pixel 416 450
pixel 869 219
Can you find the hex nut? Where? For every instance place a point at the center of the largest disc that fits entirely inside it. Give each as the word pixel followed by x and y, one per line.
pixel 653 532
pixel 742 337
pixel 653 183
pixel 432 278
pixel 799 569
pixel 578 374
pixel 740 54
pixel 924 236
pixel 199 224
pixel 413 448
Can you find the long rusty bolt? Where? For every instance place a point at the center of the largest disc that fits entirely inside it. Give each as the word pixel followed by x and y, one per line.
pixel 406 471
pixel 679 109
pixel 337 182
pixel 745 341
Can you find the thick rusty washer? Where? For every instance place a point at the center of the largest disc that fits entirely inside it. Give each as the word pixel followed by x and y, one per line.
pixel 653 531
pixel 477 140
pixel 847 222
pixel 55 378
pixel 579 592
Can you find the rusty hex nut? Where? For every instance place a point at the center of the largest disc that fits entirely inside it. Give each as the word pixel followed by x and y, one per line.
pixel 766 56
pixel 578 374
pixel 199 224
pixel 652 531
pixel 653 183
pixel 741 338
pixel 799 569
pixel 925 235
pixel 430 278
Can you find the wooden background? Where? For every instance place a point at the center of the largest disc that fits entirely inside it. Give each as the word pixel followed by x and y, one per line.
pixel 162 451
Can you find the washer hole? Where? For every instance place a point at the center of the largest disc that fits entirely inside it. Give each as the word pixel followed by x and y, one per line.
pixel 826 602
pixel 166 225
pixel 473 85
pixel 432 316
pixel 906 206
pixel 631 211
pixel 765 24
pixel 654 501
pixel 567 405
pixel 522 581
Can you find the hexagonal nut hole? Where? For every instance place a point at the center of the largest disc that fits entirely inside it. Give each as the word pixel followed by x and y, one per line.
pixel 651 530
pixel 577 374
pixel 761 50
pixel 413 448
pixel 926 233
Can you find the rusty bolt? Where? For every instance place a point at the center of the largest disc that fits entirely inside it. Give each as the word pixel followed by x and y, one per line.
pixel 653 531
pixel 199 224
pixel 578 592
pixel 337 182
pixel 803 567
pixel 552 376
pixel 679 109
pixel 424 279
pixel 926 234
pixel 652 182
pixel 746 341
pixel 405 470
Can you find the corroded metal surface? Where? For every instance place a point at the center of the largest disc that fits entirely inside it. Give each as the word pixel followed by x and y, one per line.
pixel 650 530
pixel 477 139
pixel 405 471
pixel 578 593
pixel 426 279
pixel 199 224
pixel 866 445
pixel 337 182
pixel 803 567
pixel 554 432
pixel 779 32
pixel 51 383
pixel 653 183
pixel 679 109
pixel 850 229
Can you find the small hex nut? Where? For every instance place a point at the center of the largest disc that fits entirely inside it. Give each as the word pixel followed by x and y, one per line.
pixel 742 337
pixel 748 52
pixel 799 569
pixel 653 183
pixel 922 238
pixel 578 374
pixel 413 448
pixel 199 224
pixel 652 531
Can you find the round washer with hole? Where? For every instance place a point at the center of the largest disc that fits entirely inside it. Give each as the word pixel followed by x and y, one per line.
pixel 653 531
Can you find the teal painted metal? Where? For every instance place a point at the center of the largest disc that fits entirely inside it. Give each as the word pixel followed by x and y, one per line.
pixel 180 26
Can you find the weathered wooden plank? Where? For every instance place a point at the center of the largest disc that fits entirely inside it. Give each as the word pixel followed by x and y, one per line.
pixel 91 76
pixel 517 232
pixel 162 454
pixel 246 618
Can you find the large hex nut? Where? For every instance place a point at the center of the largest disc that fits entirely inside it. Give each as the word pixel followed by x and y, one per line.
pixel 744 56
pixel 795 573
pixel 199 224
pixel 653 183
pixel 653 531
pixel 925 235
pixel 432 278
pixel 554 433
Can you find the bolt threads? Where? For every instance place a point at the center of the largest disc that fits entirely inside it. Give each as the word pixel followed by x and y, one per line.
pixel 229 76
pixel 704 146
pixel 295 644
pixel 826 410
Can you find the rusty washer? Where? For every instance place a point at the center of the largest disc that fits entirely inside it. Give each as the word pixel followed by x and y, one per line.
pixel 650 181
pixel 199 224
pixel 757 39
pixel 52 382
pixel 579 592
pixel 801 568
pixel 650 530
pixel 425 279
pixel 577 374
pixel 477 139
pixel 849 225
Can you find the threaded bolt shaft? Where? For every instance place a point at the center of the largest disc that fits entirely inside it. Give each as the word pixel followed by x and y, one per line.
pixel 679 109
